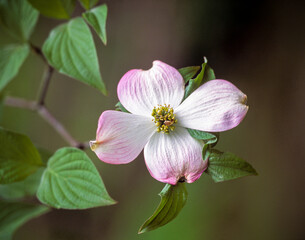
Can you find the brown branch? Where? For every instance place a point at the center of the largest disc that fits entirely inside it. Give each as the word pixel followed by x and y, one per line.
pixel 39 105
pixel 20 103
pixel 47 116
pixel 46 82
pixel 38 51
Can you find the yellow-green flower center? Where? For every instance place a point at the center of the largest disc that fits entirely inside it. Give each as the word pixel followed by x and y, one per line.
pixel 164 118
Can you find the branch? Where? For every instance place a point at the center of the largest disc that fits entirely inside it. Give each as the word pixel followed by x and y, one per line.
pixel 38 51
pixel 39 105
pixel 46 82
pixel 47 116
pixel 20 103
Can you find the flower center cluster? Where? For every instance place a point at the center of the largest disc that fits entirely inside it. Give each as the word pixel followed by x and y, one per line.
pixel 164 118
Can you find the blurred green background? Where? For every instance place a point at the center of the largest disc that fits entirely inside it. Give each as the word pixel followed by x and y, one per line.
pixel 257 45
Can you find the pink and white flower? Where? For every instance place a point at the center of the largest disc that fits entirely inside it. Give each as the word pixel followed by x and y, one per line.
pixel 158 120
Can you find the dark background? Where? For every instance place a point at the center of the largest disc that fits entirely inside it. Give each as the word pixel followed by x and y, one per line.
pixel 257 45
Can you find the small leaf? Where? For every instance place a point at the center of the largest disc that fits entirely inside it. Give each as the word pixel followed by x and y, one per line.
pixel 18 18
pixel 11 58
pixel 15 214
pixel 195 83
pixel 87 4
pixel 70 49
pixel 227 166
pixel 60 9
pixel 71 181
pixel 97 17
pixel 173 199
pixel 188 72
pixel 18 157
pixel 206 74
pixel 120 107
pixel 208 138
pixel 26 188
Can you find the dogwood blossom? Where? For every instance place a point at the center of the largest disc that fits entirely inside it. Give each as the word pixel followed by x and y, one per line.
pixel 158 120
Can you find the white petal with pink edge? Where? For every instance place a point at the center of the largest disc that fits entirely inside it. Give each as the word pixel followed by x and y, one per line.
pixel 174 156
pixel 215 106
pixel 140 91
pixel 121 136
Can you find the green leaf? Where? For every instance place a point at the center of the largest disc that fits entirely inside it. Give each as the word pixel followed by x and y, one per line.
pixel 188 72
pixel 97 17
pixel 11 58
pixel 15 214
pixel 87 4
pixel 60 9
pixel 227 166
pixel 120 107
pixel 173 199
pixel 18 157
pixel 18 18
pixel 70 49
pixel 26 188
pixel 206 74
pixel 71 181
pixel 208 138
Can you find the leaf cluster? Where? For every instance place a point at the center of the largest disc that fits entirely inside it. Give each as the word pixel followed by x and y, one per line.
pixel 66 179
pixel 69 48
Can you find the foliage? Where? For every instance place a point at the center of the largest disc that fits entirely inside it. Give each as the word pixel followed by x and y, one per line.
pixel 173 199
pixel 14 214
pixel 71 181
pixel 26 171
pixel 70 50
pixel 18 157
pixel 60 9
pixel 11 58
pixel 227 166
pixel 96 17
pixel 18 18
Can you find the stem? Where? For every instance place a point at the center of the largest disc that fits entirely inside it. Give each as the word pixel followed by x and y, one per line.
pixel 46 82
pixel 47 116
pixel 38 51
pixel 21 103
pixel 39 105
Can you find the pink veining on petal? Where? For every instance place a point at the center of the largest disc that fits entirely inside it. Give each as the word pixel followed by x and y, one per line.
pixel 170 157
pixel 215 106
pixel 139 91
pixel 121 136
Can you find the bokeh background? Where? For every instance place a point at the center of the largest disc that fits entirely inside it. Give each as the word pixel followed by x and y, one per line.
pixel 257 45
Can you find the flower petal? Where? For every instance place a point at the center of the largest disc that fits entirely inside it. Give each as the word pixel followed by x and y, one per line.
pixel 215 106
pixel 170 157
pixel 120 136
pixel 139 91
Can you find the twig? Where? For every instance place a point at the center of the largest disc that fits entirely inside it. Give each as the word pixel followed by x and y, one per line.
pixel 21 103
pixel 46 82
pixel 38 51
pixel 47 116
pixel 40 107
